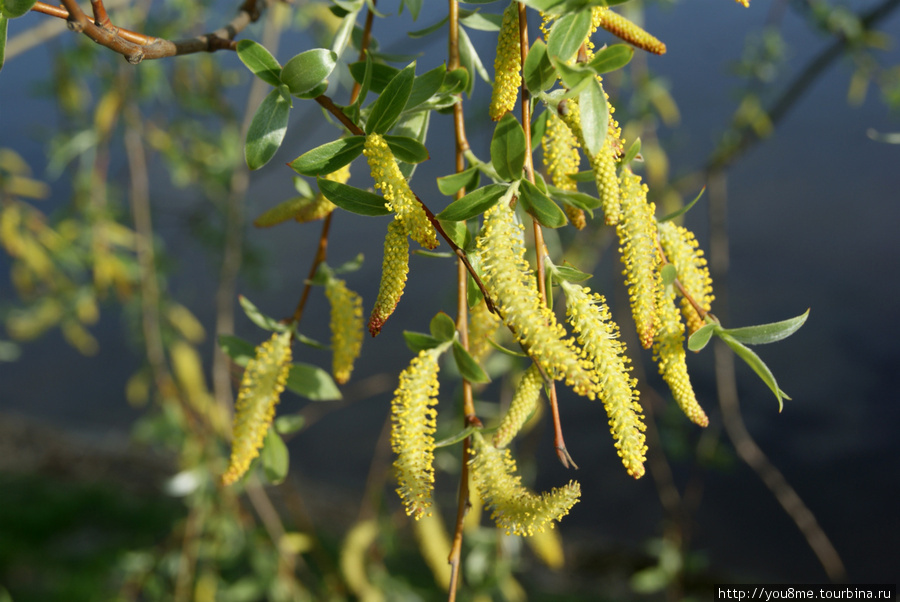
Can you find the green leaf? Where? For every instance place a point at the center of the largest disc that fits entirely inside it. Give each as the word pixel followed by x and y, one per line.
pixel 633 151
pixel 456 438
pixel 414 6
pixel 582 176
pixel 574 198
pixel 418 341
pixel 767 333
pixel 275 458
pixel 506 351
pixel 289 423
pixel 308 70
pixel 457 231
pixel 259 61
pixel 611 58
pixel 387 108
pixel 570 274
pixel 540 206
pixel 344 33
pixel 352 199
pixel 421 33
pixel 474 203
pixel 573 76
pixel 469 59
pixel 425 86
pixel 568 34
pixel 442 327
pixel 481 21
pixel 508 148
pixel 683 210
pixel 754 361
pixel 366 82
pixel 267 130
pixel 450 185
pixel 455 81
pixel 239 350
pixel 467 365
pixel 407 149
pixel 701 337
pixel 669 274
pixel 329 157
pixel 594 116
pixel 259 318
pixel 350 266
pixel 413 125
pixel 380 77
pixel 474 296
pixel 312 383
pixel 15 8
pixel 538 72
pixel 3 23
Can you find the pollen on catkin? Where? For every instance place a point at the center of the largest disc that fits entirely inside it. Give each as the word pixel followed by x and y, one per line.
pixel 599 337
pixel 513 288
pixel 346 328
pixel 637 240
pixel 521 408
pixel 261 386
pixel 413 420
pixel 483 324
pixel 562 158
pixel 682 250
pixel 513 507
pixel 397 194
pixel 669 354
pixel 507 65
pixel 394 268
pixel 622 28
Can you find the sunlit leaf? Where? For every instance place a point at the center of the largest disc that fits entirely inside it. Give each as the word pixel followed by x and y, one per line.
pixel 468 366
pixel 259 318
pixel 418 341
pixel 259 61
pixel 442 327
pixel 594 116
pixel 275 458
pixel 508 148
pixel 353 199
pixel 538 71
pixel 312 382
pixel 683 210
pixel 407 149
pixel 540 206
pixel 754 361
pixel 308 70
pixel 15 8
pixel 239 350
pixel 329 157
pixel 701 337
pixel 611 58
pixel 450 185
pixel 289 423
pixel 387 108
pixel 267 130
pixel 767 333
pixel 456 437
pixel 568 34
pixel 474 203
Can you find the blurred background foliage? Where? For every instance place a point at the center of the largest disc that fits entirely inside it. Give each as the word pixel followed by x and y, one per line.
pixel 136 158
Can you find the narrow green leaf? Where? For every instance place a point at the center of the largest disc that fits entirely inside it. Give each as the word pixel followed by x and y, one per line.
pixel 289 423
pixel 3 27
pixel 407 149
pixel 381 74
pixel 474 203
pixel 683 210
pixel 352 199
pixel 568 33
pixel 754 361
pixel 506 351
pixel 582 176
pixel 540 206
pixel 570 274
pixel 469 59
pixel 425 86
pixel 456 438
pixel 669 274
pixel 474 296
pixel 267 130
pixel 421 33
pixel 413 125
pixel 344 33
pixel 481 21
pixel 467 365
pixel 450 185
pixel 594 116
pixel 457 231
pixel 442 327
pixel 538 72
pixel 366 82
pixel 329 157
pixel 701 337
pixel 348 267
pixel 259 318
pixel 308 70
pixel 633 151
pixel 414 6
pixel 15 8
pixel 312 383
pixel 418 341
pixel 387 108
pixel 611 58
pixel 239 350
pixel 259 61
pixel 574 198
pixel 767 333
pixel 275 458
pixel 573 76
pixel 508 148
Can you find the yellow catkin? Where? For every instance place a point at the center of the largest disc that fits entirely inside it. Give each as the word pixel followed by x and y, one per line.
pixel 669 354
pixel 346 328
pixel 413 420
pixel 513 507
pixel 512 286
pixel 622 28
pixel 397 194
pixel 548 547
pixel 683 252
pixel 483 324
pixel 261 386
pixel 434 545
pixel 637 240
pixel 561 158
pixel 521 408
pixel 599 336
pixel 394 269
pixel 507 65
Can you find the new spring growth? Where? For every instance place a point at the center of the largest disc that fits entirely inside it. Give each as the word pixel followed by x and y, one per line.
pixel 261 387
pixel 394 268
pixel 507 65
pixel 397 194
pixel 303 209
pixel 669 354
pixel 562 158
pixel 413 420
pixel 682 251
pixel 622 28
pixel 513 507
pixel 599 336
pixel 521 408
pixel 637 240
pixel 346 328
pixel 512 285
